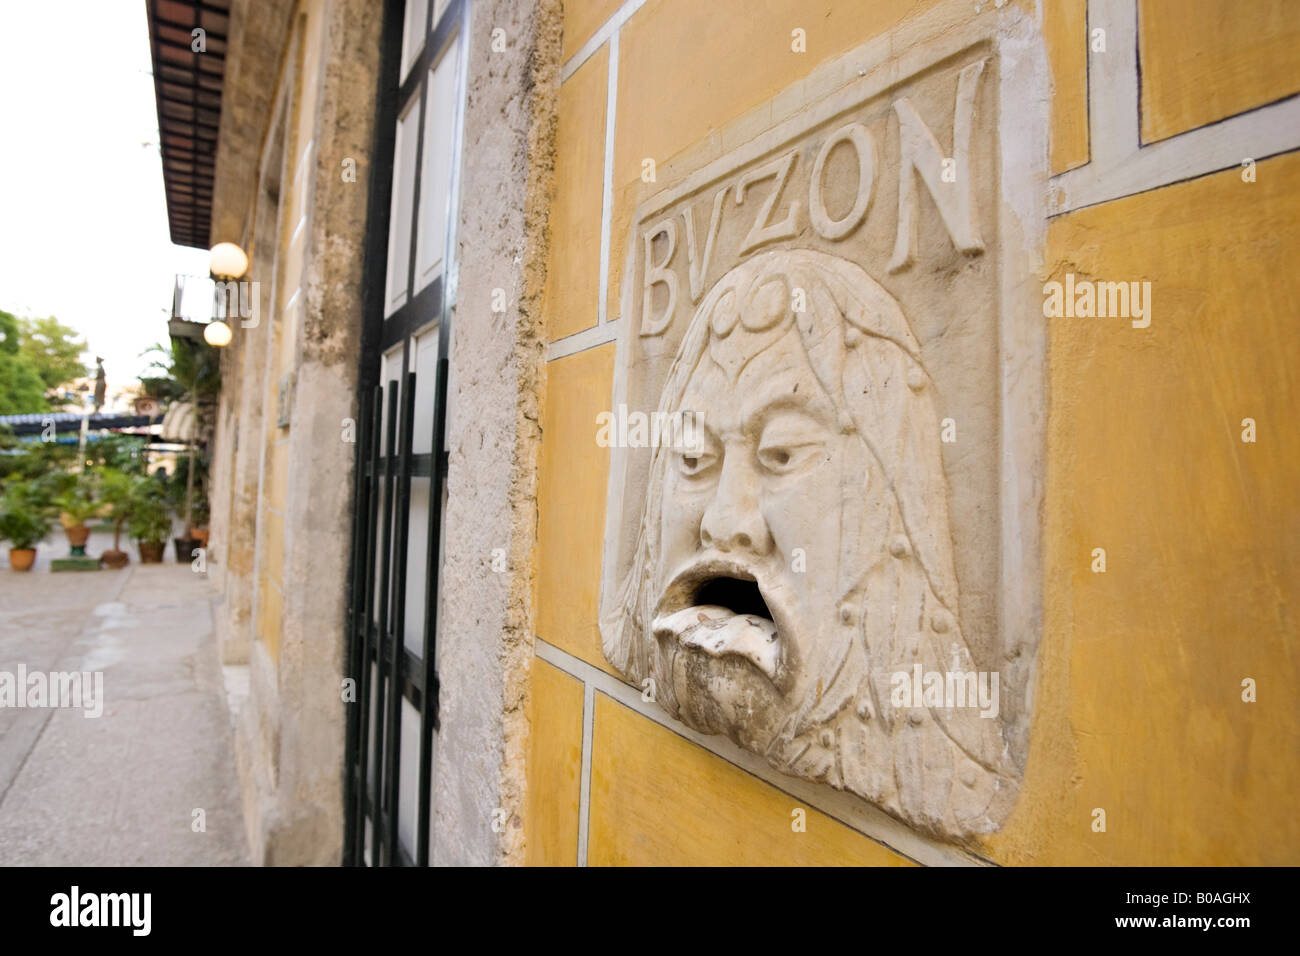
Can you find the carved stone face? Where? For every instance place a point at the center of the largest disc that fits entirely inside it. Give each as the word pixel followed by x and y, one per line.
pixel 749 522
pixel 798 559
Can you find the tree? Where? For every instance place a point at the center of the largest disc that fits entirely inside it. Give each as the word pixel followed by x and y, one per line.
pixel 196 367
pixel 119 452
pixel 22 390
pixel 192 364
pixel 54 349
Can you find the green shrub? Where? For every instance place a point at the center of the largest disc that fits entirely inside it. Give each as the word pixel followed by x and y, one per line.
pixel 23 520
pixel 82 501
pixel 150 519
pixel 119 490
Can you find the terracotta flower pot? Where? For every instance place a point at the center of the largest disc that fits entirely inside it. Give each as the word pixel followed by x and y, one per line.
pixel 200 535
pixel 115 559
pixel 77 535
pixel 20 559
pixel 151 552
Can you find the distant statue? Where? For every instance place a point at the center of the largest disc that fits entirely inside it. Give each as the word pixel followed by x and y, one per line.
pixel 101 386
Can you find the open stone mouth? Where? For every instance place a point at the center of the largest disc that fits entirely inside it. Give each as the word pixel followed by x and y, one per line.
pixel 725 615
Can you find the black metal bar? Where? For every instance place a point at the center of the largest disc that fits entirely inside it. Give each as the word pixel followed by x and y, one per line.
pixel 355 631
pixel 411 259
pixel 374 277
pixel 368 364
pixel 434 45
pixel 385 565
pixel 403 505
pixel 403 858
pixel 433 554
pixel 412 314
pixel 412 665
pixel 421 463
pixel 367 576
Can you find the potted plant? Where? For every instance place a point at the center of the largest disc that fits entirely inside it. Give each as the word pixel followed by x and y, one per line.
pixel 199 530
pixel 76 506
pixel 150 521
pixel 23 524
pixel 195 367
pixel 119 491
pixel 188 499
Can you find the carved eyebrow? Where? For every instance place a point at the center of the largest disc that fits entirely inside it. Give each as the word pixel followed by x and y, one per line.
pixel 710 433
pixel 813 407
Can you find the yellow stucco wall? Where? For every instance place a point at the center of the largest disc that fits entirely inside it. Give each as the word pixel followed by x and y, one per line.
pixel 659 800
pixel 573 275
pixel 1137 705
pixel 1205 60
pixel 302 91
pixel 571 503
pixel 1066 37
pixel 556 756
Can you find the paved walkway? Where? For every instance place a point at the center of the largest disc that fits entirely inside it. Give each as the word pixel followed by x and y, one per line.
pixel 122 788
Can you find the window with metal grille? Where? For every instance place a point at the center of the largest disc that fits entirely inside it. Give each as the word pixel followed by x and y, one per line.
pixel 401 465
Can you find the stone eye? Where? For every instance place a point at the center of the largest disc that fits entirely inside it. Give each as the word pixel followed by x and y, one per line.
pixel 693 464
pixel 783 459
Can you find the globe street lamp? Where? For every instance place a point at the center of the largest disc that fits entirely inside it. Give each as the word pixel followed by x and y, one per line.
pixel 227 263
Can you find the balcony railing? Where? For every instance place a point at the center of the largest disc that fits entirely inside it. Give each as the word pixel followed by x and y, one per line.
pixel 193 298
pixel 193 306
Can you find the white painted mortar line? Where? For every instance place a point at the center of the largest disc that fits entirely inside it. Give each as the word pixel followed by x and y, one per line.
pixel 591 338
pixel 1120 166
pixel 849 810
pixel 584 793
pixel 607 29
pixel 607 191
pixel 1113 83
pixel 1259 134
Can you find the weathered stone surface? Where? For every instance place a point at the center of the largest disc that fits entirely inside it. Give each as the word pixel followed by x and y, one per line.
pixel 485 630
pixel 306 826
pixel 257 32
pixel 303 106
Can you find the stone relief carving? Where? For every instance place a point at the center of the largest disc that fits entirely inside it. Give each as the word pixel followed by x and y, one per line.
pixel 799 556
pixel 829 576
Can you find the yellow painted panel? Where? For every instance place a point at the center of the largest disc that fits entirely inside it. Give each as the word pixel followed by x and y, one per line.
pixel 1138 706
pixel 291 272
pixel 272 546
pixel 573 275
pixel 659 800
pixel 1204 60
pixel 269 617
pixel 277 476
pixel 554 767
pixel 287 339
pixel 1065 31
pixel 582 18
pixel 571 502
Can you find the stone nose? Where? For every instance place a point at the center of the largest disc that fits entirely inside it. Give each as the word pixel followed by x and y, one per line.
pixel 733 521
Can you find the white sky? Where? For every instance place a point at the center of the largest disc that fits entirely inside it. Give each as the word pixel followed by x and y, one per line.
pixel 83 218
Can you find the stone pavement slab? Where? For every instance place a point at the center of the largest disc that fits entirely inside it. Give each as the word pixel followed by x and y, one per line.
pixel 121 788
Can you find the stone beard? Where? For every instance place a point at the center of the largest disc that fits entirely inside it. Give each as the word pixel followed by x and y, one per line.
pixel 791 563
